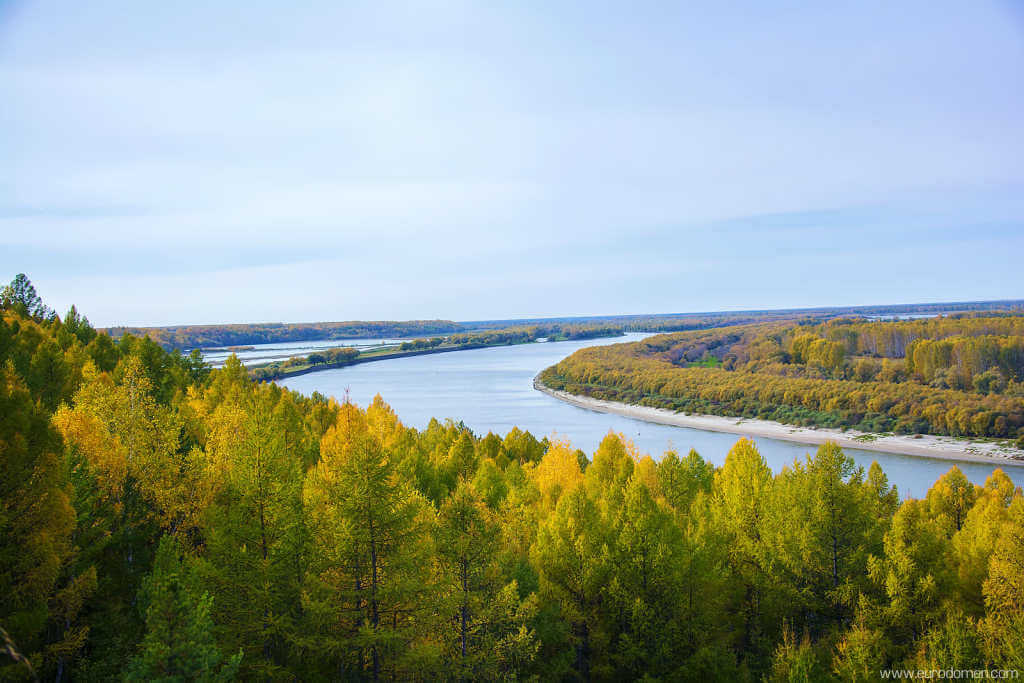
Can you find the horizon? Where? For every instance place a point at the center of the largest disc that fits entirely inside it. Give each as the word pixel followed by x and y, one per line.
pixel 1011 304
pixel 450 161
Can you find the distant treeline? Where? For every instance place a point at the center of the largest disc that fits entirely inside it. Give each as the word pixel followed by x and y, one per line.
pixel 200 336
pixel 336 357
pixel 673 322
pixel 522 334
pixel 961 375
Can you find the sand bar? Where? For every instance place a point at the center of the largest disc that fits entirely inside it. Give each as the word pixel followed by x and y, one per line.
pixel 944 447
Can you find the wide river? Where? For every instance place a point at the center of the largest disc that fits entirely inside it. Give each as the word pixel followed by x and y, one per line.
pixel 492 390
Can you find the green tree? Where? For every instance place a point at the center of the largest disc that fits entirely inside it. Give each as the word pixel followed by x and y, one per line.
pixel 571 558
pixel 370 589
pixel 909 580
pixel 951 498
pixel 256 536
pixel 490 634
pixel 740 509
pixel 1003 626
pixel 818 529
pixel 20 296
pixel 36 522
pixel 49 374
pixel 179 643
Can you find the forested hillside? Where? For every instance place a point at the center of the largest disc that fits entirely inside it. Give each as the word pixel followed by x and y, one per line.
pixel 161 521
pixel 959 375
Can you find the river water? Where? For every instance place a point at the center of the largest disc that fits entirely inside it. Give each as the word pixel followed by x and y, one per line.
pixel 492 390
pixel 266 353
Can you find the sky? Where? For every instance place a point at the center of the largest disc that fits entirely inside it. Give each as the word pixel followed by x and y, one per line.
pixel 214 162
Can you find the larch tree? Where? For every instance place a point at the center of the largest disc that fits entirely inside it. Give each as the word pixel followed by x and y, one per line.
pixel 571 557
pixel 256 537
pixel 370 583
pixel 40 601
pixel 179 643
pixel 489 629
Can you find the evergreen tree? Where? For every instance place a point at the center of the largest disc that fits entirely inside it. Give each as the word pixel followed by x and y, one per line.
pixel 21 297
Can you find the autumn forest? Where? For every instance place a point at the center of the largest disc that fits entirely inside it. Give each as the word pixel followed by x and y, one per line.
pixel 162 520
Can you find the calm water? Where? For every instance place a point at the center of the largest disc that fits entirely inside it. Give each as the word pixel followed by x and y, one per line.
pixel 492 390
pixel 264 353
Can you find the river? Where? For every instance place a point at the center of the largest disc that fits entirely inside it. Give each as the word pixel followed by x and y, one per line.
pixel 492 390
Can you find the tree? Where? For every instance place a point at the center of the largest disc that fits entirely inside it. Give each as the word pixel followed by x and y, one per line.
pixel 818 527
pixel 740 511
pixel 21 297
pixel 645 584
pixel 1003 626
pixel 972 547
pixel 36 522
pixel 910 579
pixel 490 633
pixel 680 480
pixel 570 557
pixel 48 374
pixel 121 452
pixel 179 643
pixel 256 534
pixel 369 587
pixel 951 497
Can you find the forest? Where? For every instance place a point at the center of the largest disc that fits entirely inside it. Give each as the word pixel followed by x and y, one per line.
pixel 188 337
pixel 956 375
pixel 160 520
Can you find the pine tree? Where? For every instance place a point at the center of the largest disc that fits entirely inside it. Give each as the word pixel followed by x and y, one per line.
pixel 950 498
pixel 818 526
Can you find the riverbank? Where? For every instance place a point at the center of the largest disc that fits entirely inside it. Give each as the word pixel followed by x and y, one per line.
pixel 364 359
pixel 388 355
pixel 943 447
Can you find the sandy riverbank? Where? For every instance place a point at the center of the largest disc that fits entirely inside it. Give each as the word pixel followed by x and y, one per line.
pixel 943 447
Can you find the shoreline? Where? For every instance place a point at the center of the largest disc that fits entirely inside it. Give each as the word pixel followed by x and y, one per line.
pixel 404 354
pixel 940 447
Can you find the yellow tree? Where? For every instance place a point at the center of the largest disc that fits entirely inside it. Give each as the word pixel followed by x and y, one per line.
pixel 369 593
pixel 1003 626
pixel 256 538
pixel 740 508
pixel 36 525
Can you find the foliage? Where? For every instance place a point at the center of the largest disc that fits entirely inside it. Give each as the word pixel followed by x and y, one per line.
pixel 963 379
pixel 161 521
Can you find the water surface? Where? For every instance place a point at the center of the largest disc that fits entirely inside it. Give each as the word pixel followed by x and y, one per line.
pixel 265 353
pixel 492 390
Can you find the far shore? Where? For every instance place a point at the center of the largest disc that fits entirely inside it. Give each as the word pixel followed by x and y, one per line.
pixel 942 447
pixel 391 355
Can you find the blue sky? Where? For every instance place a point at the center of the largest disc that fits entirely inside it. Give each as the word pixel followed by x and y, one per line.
pixel 198 162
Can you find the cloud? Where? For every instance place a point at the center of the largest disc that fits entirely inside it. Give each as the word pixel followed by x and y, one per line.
pixel 455 157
